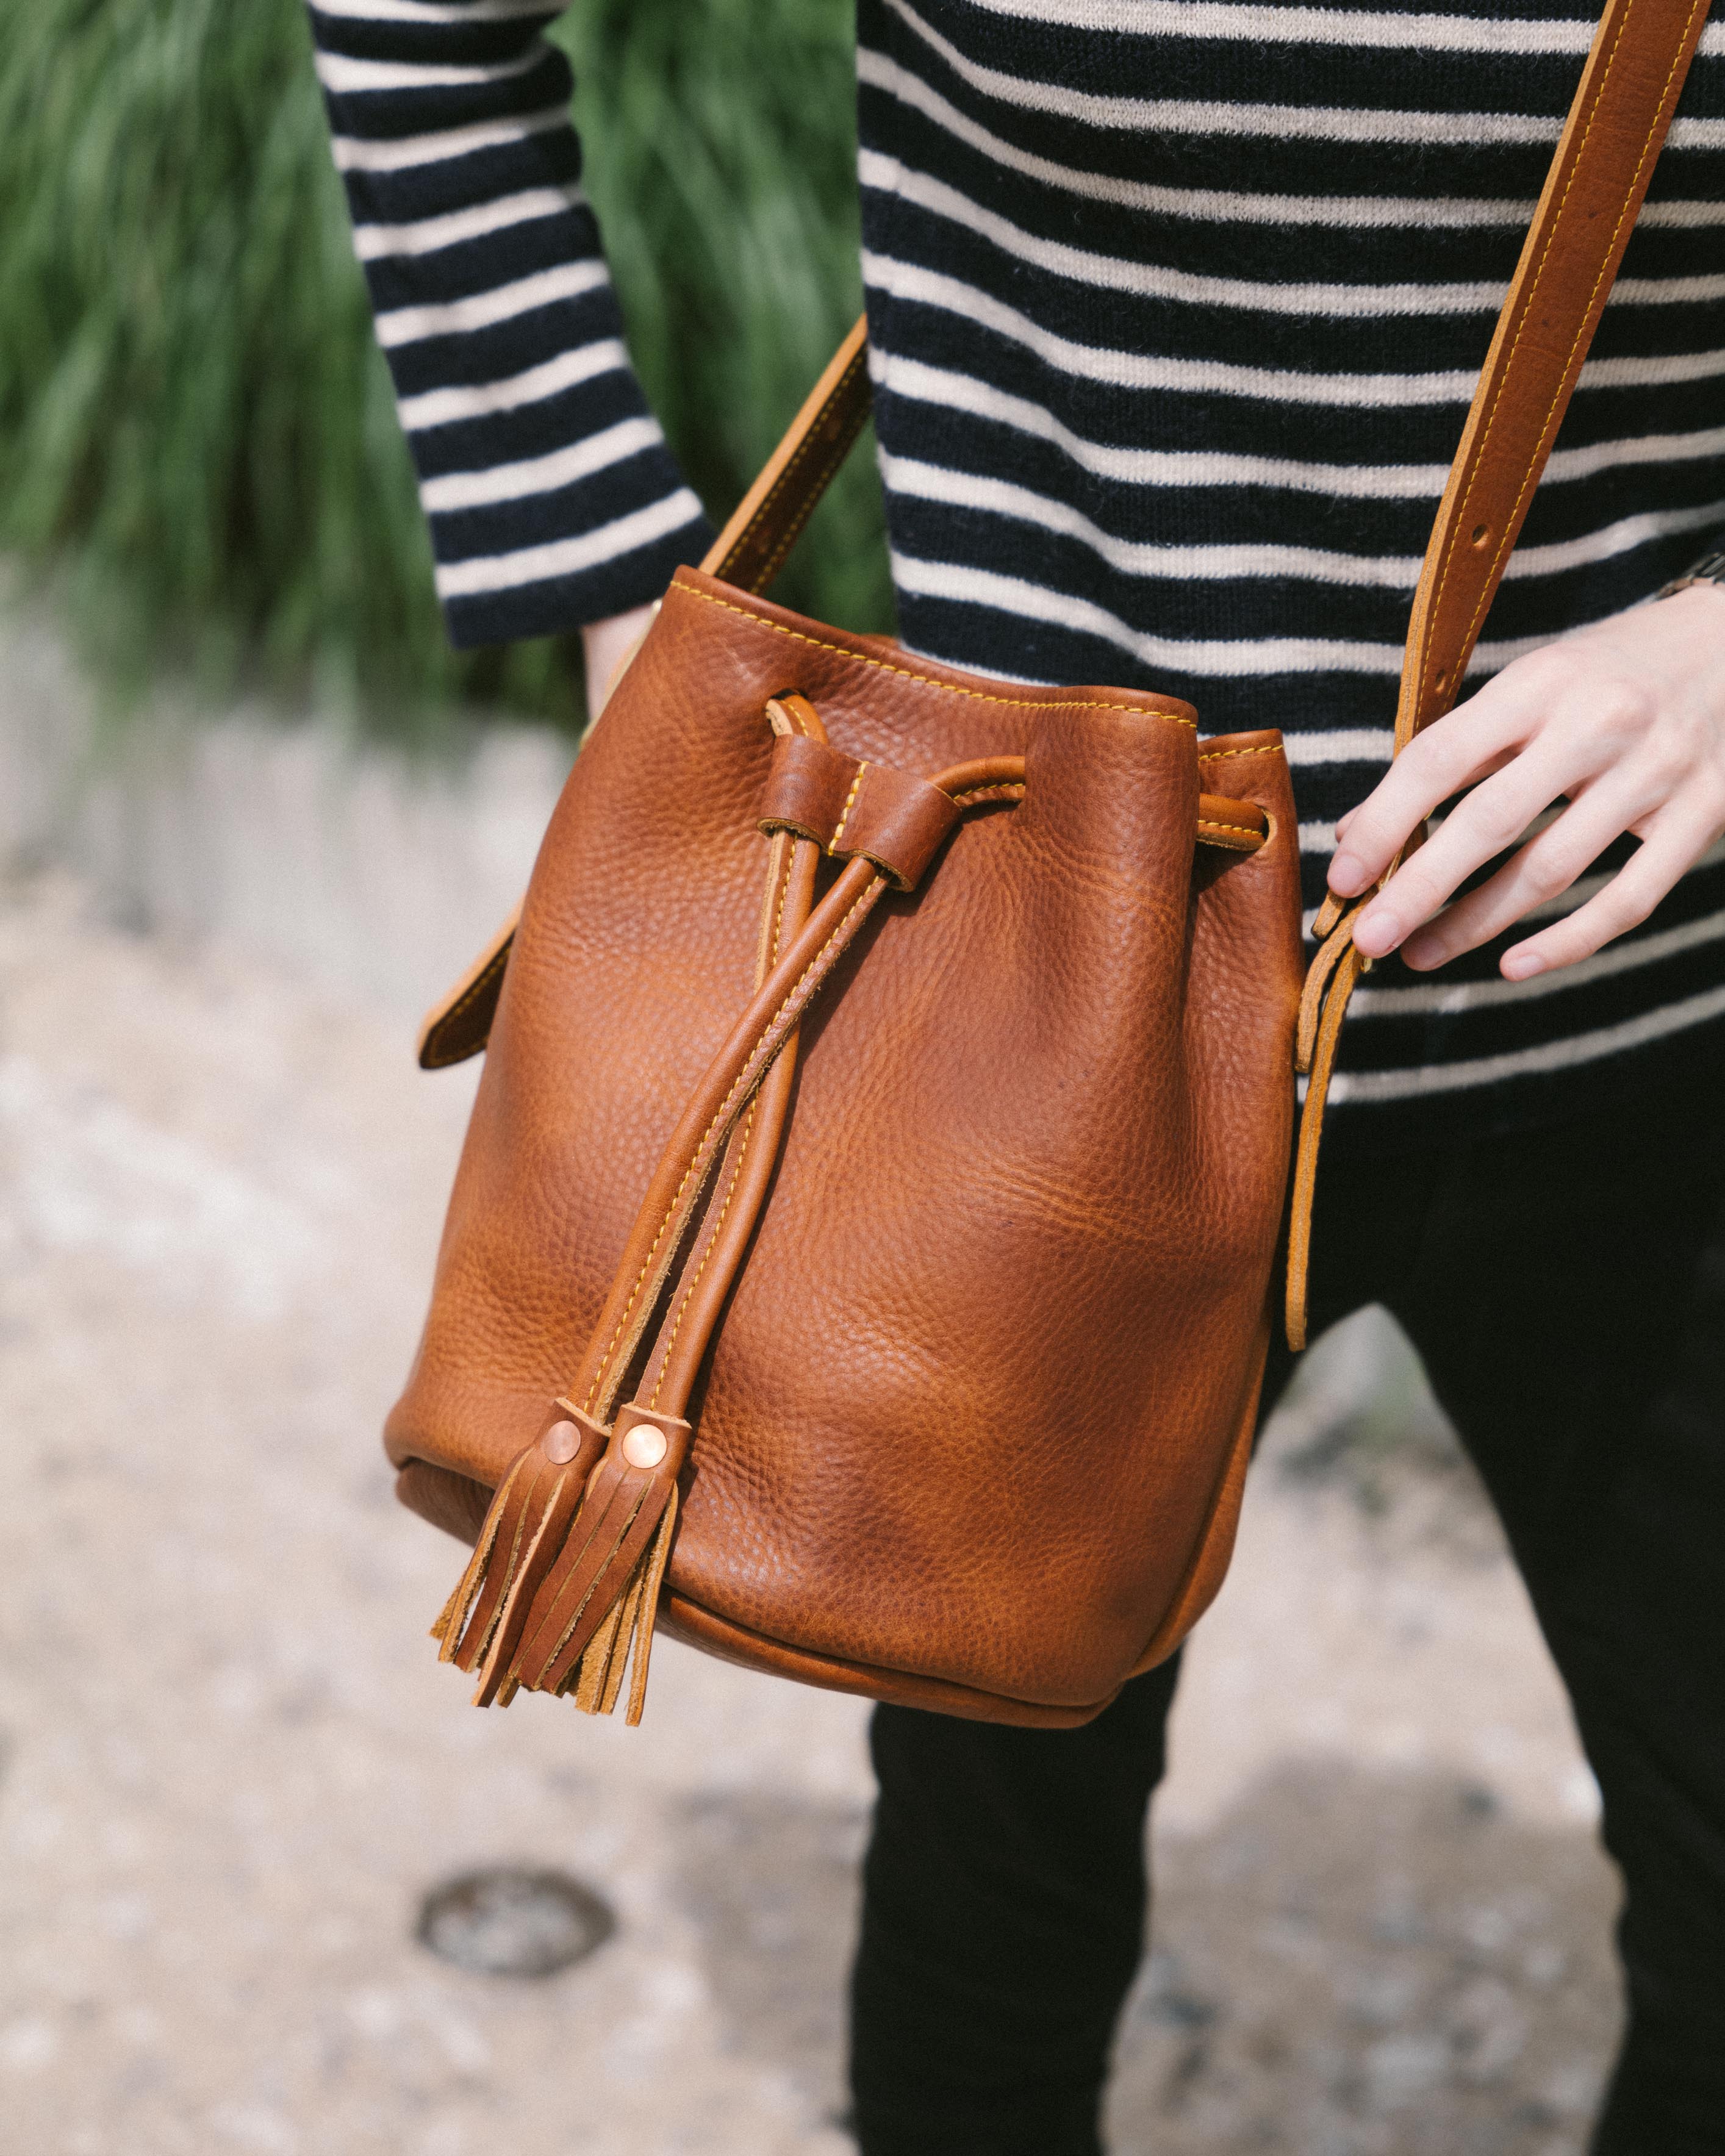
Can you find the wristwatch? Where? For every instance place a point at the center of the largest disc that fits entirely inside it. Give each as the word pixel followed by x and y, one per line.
pixel 1710 569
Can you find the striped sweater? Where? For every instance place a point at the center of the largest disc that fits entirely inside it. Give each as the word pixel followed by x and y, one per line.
pixel 1175 308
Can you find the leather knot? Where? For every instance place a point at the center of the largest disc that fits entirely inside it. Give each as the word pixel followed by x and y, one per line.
pixel 897 821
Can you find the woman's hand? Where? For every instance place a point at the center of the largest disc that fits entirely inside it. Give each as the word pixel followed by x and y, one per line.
pixel 607 647
pixel 1623 723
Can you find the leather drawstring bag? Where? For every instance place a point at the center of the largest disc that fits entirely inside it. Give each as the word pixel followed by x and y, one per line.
pixel 860 1260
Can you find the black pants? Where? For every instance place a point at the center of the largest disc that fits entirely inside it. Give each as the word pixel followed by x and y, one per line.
pixel 1559 1287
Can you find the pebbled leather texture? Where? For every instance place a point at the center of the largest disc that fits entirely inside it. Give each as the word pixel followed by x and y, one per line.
pixel 808 788
pixel 970 1367
pixel 960 1433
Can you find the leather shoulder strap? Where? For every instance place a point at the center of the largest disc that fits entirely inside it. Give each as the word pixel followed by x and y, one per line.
pixel 1605 157
pixel 750 551
pixel 1629 87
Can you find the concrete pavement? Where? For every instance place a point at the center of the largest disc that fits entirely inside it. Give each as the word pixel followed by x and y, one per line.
pixel 232 1765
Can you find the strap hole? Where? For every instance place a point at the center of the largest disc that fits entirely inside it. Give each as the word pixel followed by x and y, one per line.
pixel 1482 533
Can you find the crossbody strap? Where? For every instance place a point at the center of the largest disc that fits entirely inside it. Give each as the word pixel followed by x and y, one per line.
pixel 1635 69
pixel 1605 156
pixel 750 552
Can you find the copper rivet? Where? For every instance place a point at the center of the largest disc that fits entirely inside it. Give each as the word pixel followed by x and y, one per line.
pixel 644 1446
pixel 560 1443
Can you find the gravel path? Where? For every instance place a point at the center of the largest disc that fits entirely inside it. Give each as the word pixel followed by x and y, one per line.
pixel 232 1767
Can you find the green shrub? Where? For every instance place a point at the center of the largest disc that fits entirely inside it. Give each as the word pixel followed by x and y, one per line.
pixel 196 434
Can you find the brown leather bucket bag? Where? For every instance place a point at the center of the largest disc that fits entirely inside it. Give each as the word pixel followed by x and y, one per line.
pixel 860 1261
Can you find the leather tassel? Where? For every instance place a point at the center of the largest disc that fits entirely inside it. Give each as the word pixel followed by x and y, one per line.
pixel 448 1628
pixel 625 1642
pixel 562 1503
pixel 522 1534
pixel 621 1534
pixel 648 1614
pixel 587 1682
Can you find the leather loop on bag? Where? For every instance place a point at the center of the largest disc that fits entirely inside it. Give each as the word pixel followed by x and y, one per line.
pixel 808 785
pixel 895 820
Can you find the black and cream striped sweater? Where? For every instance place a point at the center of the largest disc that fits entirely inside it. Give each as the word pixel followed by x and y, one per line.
pixel 1175 309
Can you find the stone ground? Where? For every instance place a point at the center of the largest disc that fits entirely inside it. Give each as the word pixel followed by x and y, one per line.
pixel 232 1767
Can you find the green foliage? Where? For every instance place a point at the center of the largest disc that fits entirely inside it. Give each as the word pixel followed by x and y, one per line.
pixel 197 433
pixel 721 137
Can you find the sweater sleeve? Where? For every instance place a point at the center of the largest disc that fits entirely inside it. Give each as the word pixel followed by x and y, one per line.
pixel 551 495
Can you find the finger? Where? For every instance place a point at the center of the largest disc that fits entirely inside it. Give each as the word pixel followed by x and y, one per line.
pixel 1488 822
pixel 1672 846
pixel 1547 865
pixel 1467 746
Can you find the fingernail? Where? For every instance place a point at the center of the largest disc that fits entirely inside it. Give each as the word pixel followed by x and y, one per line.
pixel 1376 933
pixel 1522 965
pixel 1347 875
pixel 1421 951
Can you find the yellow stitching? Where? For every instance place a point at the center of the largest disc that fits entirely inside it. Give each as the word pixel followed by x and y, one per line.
pixel 774 561
pixel 959 800
pixel 496 964
pixel 605 1359
pixel 845 813
pixel 742 1153
pixel 977 695
pixel 1006 789
pixel 1622 215
pixel 784 892
pixel 1228 755
pixel 806 447
pixel 712 1244
pixel 604 1362
pixel 768 567
pixel 1496 405
pixel 790 866
pixel 475 987
pixel 867 895
pixel 837 397
pixel 635 1290
pixel 646 1264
